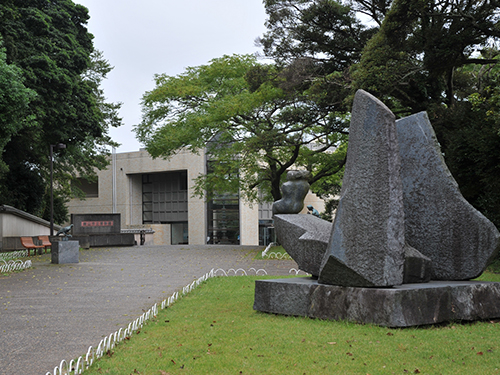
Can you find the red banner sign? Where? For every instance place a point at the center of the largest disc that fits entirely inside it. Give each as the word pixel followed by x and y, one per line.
pixel 107 223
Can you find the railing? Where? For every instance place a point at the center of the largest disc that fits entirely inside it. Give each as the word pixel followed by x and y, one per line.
pixel 267 249
pixel 274 255
pixel 14 254
pixel 279 256
pixel 14 265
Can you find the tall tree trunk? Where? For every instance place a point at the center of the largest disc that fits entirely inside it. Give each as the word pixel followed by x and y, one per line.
pixel 450 98
pixel 275 183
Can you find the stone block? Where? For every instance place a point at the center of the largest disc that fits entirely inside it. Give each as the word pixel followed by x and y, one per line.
pixel 439 222
pixel 65 252
pixel 366 246
pixel 83 240
pixel 400 306
pixel 417 267
pixel 305 238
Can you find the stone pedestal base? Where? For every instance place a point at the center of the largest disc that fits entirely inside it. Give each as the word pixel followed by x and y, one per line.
pixel 65 252
pixel 401 306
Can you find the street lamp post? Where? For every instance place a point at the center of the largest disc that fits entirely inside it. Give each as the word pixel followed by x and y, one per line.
pixel 57 147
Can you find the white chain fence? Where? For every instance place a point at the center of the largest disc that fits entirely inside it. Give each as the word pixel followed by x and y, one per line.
pixel 78 366
pixel 14 265
pixel 272 244
pixel 14 254
pixel 280 256
pixel 274 255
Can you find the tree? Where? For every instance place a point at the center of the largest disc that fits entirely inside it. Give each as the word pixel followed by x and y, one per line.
pixel 49 43
pixel 419 55
pixel 324 31
pixel 470 133
pixel 425 57
pixel 14 101
pixel 326 38
pixel 413 57
pixel 254 121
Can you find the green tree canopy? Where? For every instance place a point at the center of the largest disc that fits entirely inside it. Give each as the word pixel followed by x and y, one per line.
pixel 14 101
pixel 437 56
pixel 48 43
pixel 413 57
pixel 325 31
pixel 253 123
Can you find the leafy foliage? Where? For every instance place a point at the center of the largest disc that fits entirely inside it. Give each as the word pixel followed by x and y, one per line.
pixel 470 134
pixel 14 101
pixel 425 57
pixel 251 119
pixel 419 46
pixel 434 56
pixel 48 44
pixel 324 31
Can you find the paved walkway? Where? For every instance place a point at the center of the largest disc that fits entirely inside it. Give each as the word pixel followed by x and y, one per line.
pixel 53 312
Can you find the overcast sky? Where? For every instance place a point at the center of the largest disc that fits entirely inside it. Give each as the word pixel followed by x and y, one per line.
pixel 143 38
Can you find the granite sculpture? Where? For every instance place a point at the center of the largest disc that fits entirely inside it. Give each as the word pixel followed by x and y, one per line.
pixel 439 222
pixel 293 191
pixel 366 247
pixel 401 222
pixel 305 238
pixel 417 267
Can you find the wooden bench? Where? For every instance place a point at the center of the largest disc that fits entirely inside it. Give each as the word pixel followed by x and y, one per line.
pixel 27 242
pixel 45 242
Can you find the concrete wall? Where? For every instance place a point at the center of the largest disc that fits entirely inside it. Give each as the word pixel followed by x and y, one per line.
pixel 315 201
pixel 162 234
pixel 134 209
pixel 17 223
pixel 128 194
pixel 249 223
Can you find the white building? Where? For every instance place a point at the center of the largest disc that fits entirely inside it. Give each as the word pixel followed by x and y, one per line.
pixel 158 194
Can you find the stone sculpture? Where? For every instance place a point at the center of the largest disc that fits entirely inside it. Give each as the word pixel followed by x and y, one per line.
pixel 417 267
pixel 293 191
pixel 305 238
pixel 401 220
pixel 366 247
pixel 439 222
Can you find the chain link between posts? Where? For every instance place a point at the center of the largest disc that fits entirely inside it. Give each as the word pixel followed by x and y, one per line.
pixel 14 265
pixel 79 365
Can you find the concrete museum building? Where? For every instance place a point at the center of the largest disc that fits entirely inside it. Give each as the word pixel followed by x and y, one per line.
pixel 157 194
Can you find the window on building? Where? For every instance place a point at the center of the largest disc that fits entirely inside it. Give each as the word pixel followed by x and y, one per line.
pixel 164 198
pixel 223 213
pixel 224 219
pixel 179 233
pixel 90 189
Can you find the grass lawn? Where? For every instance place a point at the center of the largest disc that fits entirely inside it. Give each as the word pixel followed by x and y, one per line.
pixel 214 330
